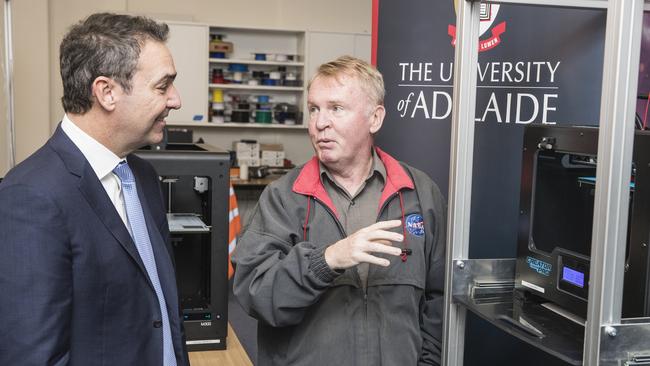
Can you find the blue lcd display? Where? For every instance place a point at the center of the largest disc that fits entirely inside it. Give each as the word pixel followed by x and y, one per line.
pixel 573 277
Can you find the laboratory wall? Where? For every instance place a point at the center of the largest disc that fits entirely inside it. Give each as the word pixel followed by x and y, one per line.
pixel 38 27
pixel 31 81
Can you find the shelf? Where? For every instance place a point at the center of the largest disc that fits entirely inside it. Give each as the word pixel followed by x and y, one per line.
pixel 254 182
pixel 532 323
pixel 256 62
pixel 486 288
pixel 186 223
pixel 256 87
pixel 190 49
pixel 237 125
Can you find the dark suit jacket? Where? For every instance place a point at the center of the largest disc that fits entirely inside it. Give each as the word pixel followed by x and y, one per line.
pixel 73 289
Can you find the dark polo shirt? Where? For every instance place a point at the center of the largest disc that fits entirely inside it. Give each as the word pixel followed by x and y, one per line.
pixel 359 209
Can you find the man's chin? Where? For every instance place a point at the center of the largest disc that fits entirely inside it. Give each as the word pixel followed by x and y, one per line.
pixel 326 159
pixel 155 137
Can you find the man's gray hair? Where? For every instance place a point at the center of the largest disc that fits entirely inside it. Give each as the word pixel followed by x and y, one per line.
pixel 103 44
pixel 369 78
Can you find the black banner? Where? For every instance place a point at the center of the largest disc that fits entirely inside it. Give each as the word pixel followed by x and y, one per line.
pixel 537 65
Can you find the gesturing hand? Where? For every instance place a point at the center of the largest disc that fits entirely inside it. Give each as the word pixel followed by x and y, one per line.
pixel 358 247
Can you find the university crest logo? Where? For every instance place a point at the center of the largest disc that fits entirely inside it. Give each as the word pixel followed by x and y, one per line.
pixel 488 14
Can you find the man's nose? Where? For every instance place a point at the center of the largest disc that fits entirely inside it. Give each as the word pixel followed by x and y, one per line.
pixel 323 119
pixel 174 100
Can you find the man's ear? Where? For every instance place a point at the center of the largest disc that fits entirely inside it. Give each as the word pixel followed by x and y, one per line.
pixel 104 90
pixel 377 118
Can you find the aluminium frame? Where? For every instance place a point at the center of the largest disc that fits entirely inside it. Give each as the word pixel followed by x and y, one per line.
pixel 620 72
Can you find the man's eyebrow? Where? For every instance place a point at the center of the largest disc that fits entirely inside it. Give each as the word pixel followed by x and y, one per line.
pixel 166 78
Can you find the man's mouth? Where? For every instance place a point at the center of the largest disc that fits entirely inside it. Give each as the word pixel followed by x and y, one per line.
pixel 161 118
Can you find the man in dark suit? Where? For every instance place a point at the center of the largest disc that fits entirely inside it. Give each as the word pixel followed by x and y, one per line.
pixel 86 273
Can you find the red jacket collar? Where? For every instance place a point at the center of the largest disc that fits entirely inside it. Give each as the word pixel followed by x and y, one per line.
pixel 309 180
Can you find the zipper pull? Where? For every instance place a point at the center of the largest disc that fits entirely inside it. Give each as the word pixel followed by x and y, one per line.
pixel 405 252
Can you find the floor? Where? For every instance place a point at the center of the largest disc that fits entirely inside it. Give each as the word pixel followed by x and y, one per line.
pixel 241 349
pixel 233 355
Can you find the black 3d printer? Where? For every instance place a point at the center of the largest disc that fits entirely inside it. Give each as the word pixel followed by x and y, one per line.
pixel 195 182
pixel 556 217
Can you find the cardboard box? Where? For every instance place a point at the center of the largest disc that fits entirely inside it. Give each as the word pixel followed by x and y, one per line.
pixel 271 147
pixel 248 161
pixel 272 154
pixel 279 163
pixel 246 150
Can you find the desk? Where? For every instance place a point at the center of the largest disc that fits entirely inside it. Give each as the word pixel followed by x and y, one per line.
pixel 254 182
pixel 233 355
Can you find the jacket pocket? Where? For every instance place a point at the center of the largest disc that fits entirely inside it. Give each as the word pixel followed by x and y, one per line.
pixel 410 268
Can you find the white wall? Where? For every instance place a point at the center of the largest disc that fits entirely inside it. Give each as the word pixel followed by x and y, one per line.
pixel 4 123
pixel 351 16
pixel 40 25
pixel 31 80
pixel 31 75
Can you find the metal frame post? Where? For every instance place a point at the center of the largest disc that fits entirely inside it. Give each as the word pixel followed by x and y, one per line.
pixel 9 84
pixel 460 179
pixel 615 143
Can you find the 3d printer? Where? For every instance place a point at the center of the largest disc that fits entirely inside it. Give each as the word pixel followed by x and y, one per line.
pixel 195 181
pixel 556 215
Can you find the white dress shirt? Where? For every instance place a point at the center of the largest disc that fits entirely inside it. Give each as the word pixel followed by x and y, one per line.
pixel 102 161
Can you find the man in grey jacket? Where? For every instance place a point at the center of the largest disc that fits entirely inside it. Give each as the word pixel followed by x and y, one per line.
pixel 343 260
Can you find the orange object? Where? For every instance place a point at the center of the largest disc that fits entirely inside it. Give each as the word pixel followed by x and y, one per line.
pixel 234 228
pixel 234 173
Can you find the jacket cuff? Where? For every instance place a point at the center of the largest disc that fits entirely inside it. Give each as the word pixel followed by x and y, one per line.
pixel 319 266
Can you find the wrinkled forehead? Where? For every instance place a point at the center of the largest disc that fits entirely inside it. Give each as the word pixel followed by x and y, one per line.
pixel 340 81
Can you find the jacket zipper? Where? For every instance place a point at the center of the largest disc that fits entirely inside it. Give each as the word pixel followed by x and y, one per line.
pixel 338 223
pixel 365 326
pixel 356 273
pixel 390 198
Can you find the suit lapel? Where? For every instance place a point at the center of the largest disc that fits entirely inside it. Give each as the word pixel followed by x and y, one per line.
pixel 94 193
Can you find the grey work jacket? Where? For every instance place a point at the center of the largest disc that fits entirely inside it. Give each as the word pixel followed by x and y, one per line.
pixel 311 315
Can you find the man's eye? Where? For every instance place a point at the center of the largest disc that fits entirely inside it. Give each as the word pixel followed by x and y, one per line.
pixel 337 108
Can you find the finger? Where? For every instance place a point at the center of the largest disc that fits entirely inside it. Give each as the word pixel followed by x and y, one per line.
pixel 384 235
pixel 381 225
pixel 385 242
pixel 367 258
pixel 381 248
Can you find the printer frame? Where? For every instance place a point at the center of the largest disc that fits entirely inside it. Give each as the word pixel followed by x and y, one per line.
pixel 544 269
pixel 200 251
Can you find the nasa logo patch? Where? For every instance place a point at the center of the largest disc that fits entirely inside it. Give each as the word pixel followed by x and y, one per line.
pixel 415 224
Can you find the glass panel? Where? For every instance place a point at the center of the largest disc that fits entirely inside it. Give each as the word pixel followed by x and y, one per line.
pixel 563 202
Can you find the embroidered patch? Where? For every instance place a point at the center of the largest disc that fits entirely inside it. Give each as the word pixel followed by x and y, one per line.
pixel 415 224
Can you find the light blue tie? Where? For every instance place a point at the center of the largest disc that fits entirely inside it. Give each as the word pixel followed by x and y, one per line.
pixel 140 236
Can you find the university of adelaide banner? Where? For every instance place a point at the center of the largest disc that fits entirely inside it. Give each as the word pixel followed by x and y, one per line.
pixel 537 65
